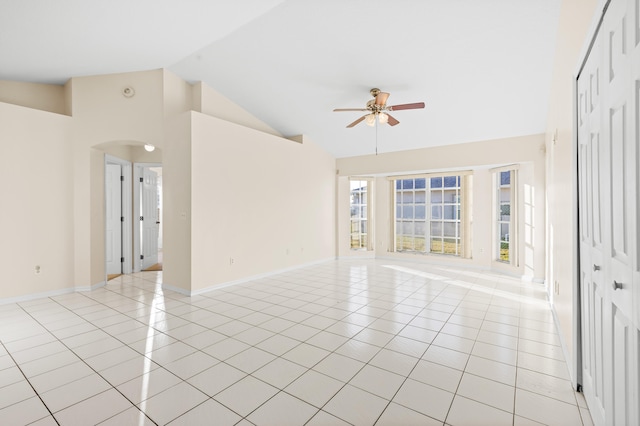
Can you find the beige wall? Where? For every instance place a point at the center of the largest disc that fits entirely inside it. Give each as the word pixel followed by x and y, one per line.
pixel 266 202
pixel 176 182
pixel 576 17
pixel 62 160
pixel 36 218
pixel 102 114
pixel 45 97
pixel 211 102
pixel 479 157
pixel 106 121
pixel 176 209
pixel 97 215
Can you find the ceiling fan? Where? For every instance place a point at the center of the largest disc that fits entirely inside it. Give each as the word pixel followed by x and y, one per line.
pixel 377 108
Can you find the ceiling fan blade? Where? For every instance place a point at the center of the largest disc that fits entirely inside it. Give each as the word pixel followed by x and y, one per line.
pixel 392 121
pixel 349 109
pixel 416 105
pixel 356 122
pixel 381 98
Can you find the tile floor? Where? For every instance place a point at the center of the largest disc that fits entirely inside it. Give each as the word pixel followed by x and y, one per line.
pixel 358 342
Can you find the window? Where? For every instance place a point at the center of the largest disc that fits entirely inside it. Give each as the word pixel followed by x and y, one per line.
pixel 359 214
pixel 411 216
pixel 445 215
pixel 428 214
pixel 505 205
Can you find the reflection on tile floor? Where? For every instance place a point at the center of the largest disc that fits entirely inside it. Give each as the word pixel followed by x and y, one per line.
pixel 358 342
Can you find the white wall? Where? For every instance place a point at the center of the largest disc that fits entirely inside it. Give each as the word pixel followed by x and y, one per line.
pixel 479 157
pixel 264 201
pixel 576 17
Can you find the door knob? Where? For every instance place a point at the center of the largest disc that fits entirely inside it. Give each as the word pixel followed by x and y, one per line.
pixel 617 285
pixel 596 267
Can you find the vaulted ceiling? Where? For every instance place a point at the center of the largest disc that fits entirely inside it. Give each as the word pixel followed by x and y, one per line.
pixel 483 67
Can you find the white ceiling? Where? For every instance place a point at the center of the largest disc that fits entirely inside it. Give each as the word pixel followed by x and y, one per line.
pixel 483 67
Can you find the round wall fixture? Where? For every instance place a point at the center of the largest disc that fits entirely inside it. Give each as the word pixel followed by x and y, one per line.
pixel 128 92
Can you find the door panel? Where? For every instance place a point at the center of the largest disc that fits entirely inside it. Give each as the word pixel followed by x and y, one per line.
pixel 149 227
pixel 113 195
pixel 622 408
pixel 595 191
pixel 598 351
pixel 617 168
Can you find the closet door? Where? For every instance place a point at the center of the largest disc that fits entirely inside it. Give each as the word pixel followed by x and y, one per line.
pixel 608 164
pixel 621 134
pixel 592 200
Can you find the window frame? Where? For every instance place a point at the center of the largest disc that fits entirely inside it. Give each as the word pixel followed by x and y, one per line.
pixel 463 221
pixel 368 246
pixel 497 240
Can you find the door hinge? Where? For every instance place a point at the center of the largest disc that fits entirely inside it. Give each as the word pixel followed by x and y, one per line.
pixel 142 257
pixel 122 260
pixel 141 180
pixel 121 218
pixel 121 178
pixel 141 217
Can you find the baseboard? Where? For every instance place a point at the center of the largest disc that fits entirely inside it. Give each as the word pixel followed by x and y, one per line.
pixel 175 289
pixel 246 279
pixel 91 287
pixel 30 297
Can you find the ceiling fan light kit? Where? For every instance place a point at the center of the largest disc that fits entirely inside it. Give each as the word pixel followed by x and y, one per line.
pixel 370 120
pixel 376 107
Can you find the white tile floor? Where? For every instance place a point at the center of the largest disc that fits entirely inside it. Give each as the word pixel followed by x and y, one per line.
pixel 358 342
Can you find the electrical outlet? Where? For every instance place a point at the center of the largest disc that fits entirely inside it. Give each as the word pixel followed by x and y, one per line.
pixel 231 260
pixel 37 269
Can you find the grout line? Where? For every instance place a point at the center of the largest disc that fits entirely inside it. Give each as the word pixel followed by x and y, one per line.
pixel 30 384
pixel 316 290
pixel 89 366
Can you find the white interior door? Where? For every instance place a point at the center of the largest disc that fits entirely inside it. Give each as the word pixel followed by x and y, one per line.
pixel 591 197
pixel 113 194
pixel 619 100
pixel 149 221
pixel 608 96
